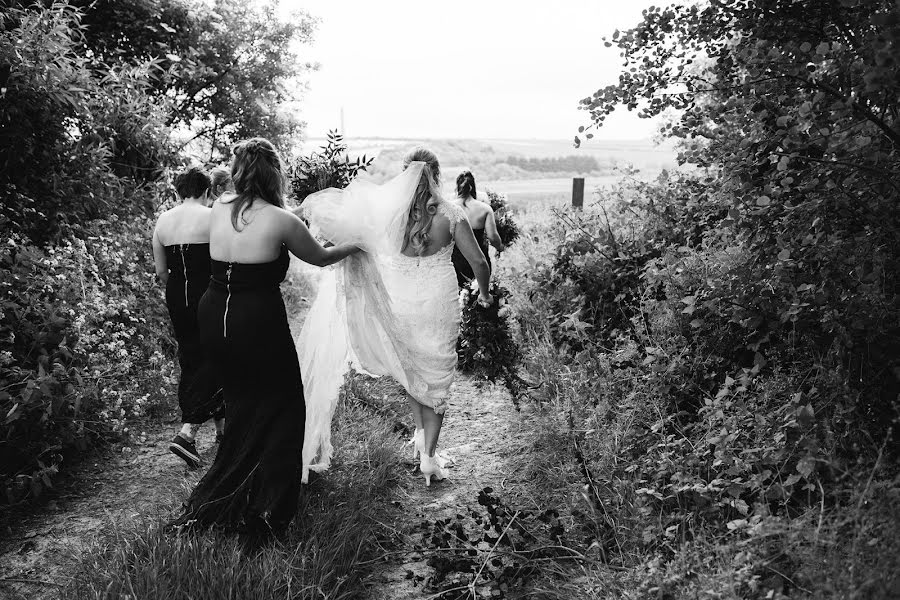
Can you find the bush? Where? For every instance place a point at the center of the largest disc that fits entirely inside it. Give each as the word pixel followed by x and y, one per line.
pixel 710 432
pixel 330 168
pixel 69 130
pixel 82 352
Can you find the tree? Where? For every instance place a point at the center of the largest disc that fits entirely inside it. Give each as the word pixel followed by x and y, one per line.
pixel 790 110
pixel 70 132
pixel 228 70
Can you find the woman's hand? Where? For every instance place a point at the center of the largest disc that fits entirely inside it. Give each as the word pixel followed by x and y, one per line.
pixel 485 300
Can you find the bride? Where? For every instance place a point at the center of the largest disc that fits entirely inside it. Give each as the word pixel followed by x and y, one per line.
pixel 392 309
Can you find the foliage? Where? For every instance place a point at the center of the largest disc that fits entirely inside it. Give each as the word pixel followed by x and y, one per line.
pixel 329 168
pixel 506 225
pixel 485 346
pixel 68 133
pixel 82 352
pixel 227 69
pixel 732 330
pixel 492 550
pixel 86 118
pixel 792 109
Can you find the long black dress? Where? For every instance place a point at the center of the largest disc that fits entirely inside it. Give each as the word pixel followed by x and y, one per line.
pixel 253 484
pixel 464 273
pixel 199 396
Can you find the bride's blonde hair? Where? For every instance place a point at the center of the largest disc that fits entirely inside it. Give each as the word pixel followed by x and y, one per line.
pixel 425 203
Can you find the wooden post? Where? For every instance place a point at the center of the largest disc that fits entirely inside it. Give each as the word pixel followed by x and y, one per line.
pixel 578 192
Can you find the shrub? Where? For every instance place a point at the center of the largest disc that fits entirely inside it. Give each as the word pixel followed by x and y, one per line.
pixel 68 129
pixel 82 351
pixel 329 168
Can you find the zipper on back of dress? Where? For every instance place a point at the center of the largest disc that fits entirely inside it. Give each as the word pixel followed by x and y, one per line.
pixel 227 299
pixel 184 267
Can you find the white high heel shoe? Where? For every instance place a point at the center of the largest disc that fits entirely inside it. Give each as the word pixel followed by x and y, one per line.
pixel 431 468
pixel 418 443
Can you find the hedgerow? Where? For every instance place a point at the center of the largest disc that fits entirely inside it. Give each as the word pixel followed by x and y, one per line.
pixel 92 122
pixel 723 342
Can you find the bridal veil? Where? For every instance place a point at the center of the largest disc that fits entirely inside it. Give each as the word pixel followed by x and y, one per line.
pixel 351 318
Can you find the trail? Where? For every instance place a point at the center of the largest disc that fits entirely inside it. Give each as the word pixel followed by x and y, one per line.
pixel 477 432
pixel 141 477
pixel 38 551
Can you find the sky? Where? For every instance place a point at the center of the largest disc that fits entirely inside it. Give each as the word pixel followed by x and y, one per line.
pixel 464 68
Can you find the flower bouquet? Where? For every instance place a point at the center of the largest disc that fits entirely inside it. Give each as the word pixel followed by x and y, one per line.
pixel 506 226
pixel 485 347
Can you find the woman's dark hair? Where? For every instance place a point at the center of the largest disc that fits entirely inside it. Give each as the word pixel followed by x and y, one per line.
pixel 256 172
pixel 465 185
pixel 192 183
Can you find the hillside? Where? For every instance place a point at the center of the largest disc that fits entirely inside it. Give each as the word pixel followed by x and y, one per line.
pixel 498 164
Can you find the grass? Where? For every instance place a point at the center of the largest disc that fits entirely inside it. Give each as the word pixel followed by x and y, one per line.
pixel 592 420
pixel 845 549
pixel 336 532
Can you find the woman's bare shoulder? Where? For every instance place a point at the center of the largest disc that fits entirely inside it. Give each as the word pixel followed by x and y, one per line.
pixel 482 206
pixel 450 210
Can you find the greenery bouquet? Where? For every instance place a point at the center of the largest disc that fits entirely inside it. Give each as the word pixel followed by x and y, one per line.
pixel 506 226
pixel 486 348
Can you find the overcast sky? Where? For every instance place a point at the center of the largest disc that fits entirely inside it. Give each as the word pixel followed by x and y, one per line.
pixel 464 68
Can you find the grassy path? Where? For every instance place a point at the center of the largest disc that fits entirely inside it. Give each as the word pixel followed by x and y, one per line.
pixel 124 483
pixel 37 553
pixel 117 497
pixel 476 434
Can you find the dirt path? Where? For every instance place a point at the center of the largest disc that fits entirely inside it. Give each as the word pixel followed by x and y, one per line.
pixel 35 555
pixel 142 478
pixel 476 433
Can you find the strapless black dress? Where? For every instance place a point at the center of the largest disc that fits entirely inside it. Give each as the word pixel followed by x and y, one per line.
pixel 254 483
pixel 199 396
pixel 464 273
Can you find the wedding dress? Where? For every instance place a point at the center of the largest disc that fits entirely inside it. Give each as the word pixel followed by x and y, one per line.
pixel 387 313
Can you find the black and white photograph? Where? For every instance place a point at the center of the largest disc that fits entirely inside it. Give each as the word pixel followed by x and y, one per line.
pixel 449 300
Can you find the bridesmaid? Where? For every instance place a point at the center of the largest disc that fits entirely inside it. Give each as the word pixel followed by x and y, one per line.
pixel 181 257
pixel 481 218
pixel 252 486
pixel 221 183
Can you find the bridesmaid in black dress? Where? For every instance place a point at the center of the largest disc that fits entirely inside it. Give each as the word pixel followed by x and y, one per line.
pixel 181 254
pixel 481 218
pixel 253 484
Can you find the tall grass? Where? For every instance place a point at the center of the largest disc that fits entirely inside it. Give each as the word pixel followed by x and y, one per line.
pixel 336 529
pixel 593 441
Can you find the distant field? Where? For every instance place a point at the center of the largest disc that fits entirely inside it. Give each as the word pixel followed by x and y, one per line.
pixel 526 189
pixel 526 192
pixel 643 154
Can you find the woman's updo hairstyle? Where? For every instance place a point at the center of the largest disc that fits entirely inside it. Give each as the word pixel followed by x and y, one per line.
pixel 221 181
pixel 257 172
pixel 425 203
pixel 465 186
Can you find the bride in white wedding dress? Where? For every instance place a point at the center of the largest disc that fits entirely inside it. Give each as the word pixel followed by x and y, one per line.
pixel 392 309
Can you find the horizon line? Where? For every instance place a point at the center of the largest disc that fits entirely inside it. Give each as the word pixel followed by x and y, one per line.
pixel 469 138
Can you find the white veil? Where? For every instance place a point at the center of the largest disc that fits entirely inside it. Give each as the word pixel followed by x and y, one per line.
pixel 351 317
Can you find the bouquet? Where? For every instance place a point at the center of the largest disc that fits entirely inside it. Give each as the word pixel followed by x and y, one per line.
pixel 506 226
pixel 485 347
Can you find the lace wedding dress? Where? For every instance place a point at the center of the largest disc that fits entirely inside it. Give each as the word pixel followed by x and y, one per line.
pixel 384 312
